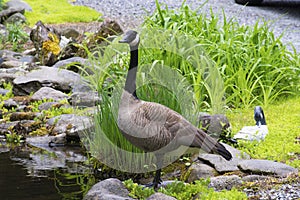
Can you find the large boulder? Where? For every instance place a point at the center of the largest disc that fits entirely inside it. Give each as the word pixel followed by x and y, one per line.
pixel 59 79
pixel 109 189
pixel 222 165
pixel 75 64
pixel 257 166
pixel 16 18
pixel 46 41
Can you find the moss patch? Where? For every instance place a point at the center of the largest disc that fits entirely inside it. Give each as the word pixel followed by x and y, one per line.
pixel 59 11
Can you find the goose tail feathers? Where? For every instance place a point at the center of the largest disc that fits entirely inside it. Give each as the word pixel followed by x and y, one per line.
pixel 211 145
pixel 221 150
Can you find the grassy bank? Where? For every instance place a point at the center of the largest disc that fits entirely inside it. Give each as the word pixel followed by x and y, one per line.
pixel 59 11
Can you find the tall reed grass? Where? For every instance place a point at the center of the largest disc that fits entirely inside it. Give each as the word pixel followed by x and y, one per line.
pixel 255 66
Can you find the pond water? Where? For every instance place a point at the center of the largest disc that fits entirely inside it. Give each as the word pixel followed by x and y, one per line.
pixel 43 173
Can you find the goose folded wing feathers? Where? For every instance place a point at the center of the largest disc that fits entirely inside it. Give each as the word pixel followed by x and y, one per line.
pixel 160 126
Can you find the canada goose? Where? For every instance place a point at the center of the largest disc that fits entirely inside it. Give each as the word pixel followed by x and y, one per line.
pixel 153 127
pixel 257 132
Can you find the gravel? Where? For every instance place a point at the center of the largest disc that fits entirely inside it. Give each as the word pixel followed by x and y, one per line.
pixel 284 192
pixel 284 15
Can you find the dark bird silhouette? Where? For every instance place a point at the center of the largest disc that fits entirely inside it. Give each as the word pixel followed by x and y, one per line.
pixel 257 132
pixel 151 126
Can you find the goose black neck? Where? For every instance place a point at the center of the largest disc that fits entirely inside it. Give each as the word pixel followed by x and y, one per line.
pixel 130 85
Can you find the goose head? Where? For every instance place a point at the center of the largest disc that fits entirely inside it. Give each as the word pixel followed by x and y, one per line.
pixel 259 116
pixel 131 37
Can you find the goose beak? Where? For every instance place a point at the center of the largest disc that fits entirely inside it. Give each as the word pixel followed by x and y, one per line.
pixel 123 40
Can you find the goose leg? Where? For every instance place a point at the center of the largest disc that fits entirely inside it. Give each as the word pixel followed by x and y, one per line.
pixel 157 180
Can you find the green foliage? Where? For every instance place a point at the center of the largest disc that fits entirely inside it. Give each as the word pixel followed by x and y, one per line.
pixel 6 86
pixel 1 5
pixel 17 37
pixel 256 66
pixel 182 191
pixel 137 191
pixel 59 11
pixel 283 124
pixel 13 138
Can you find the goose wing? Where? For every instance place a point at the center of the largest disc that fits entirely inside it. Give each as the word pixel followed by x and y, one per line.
pixel 158 126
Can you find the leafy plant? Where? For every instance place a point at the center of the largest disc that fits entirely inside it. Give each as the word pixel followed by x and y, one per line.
pixel 1 5
pixel 182 191
pixel 16 35
pixel 255 66
pixel 13 138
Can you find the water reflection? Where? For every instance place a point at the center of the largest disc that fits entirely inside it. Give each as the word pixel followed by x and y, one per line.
pixel 28 172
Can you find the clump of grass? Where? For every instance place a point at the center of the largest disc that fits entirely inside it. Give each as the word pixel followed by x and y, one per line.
pixel 255 65
pixel 59 11
pixel 15 38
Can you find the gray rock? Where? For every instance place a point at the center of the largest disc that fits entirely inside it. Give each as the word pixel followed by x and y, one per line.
pixel 219 163
pixel 39 35
pixel 3 32
pixel 19 5
pixel 10 103
pixel 255 177
pixel 215 125
pixel 109 189
pixel 39 141
pixel 58 140
pixel 7 77
pixel 17 116
pixel 222 165
pixel 84 99
pixel 225 182
pixel 4 126
pixel 76 64
pixel 48 93
pixel 236 154
pixel 3 92
pixel 70 33
pixel 59 79
pixel 266 167
pixel 16 18
pixel 10 64
pixel 73 125
pixel 4 14
pixel 8 55
pixel 199 170
pixel 49 105
pixel 160 196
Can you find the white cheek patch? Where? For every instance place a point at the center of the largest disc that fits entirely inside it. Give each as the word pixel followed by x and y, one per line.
pixel 135 41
